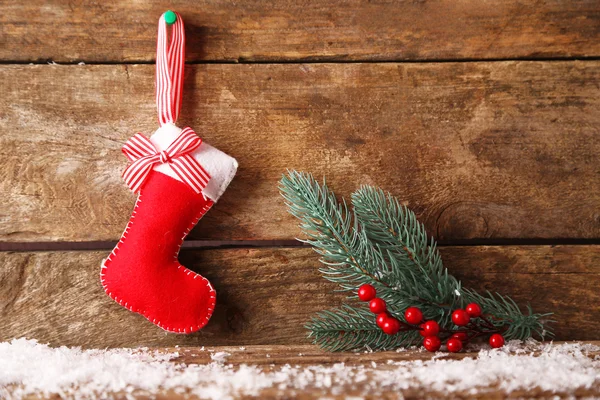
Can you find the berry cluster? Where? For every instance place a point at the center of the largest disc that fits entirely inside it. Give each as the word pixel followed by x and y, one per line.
pixel 470 321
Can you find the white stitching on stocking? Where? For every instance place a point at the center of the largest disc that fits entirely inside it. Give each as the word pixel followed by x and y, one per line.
pixel 212 297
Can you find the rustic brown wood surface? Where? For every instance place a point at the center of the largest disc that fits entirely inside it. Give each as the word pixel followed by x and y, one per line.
pixel 279 358
pixel 273 358
pixel 485 150
pixel 125 31
pixel 478 150
pixel 266 295
pixel 298 354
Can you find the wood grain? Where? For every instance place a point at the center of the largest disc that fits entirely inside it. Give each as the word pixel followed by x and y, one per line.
pixel 125 31
pixel 304 355
pixel 266 295
pixel 275 359
pixel 479 150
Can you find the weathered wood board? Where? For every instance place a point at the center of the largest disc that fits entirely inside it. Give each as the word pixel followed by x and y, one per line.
pixel 315 363
pixel 125 31
pixel 276 358
pixel 266 295
pixel 303 355
pixel 426 99
pixel 479 150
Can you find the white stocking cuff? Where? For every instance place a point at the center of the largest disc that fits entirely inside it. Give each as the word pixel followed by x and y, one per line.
pixel 219 165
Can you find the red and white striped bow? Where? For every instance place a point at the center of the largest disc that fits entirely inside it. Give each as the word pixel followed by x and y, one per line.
pixel 143 156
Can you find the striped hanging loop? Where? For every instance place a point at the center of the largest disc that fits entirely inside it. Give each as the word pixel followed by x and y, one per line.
pixel 140 150
pixel 170 61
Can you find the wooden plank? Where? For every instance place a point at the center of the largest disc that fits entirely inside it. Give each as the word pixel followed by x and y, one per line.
pixel 344 382
pixel 304 355
pixel 255 30
pixel 278 358
pixel 266 295
pixel 478 150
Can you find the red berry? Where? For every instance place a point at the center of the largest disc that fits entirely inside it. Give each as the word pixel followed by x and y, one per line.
pixel 381 319
pixel 377 306
pixel 454 345
pixel 413 315
pixel 391 326
pixel 429 328
pixel 496 340
pixel 432 343
pixel 473 310
pixel 460 317
pixel 366 292
pixel 462 336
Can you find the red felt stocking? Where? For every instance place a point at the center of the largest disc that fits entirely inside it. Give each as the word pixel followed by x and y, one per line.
pixel 178 179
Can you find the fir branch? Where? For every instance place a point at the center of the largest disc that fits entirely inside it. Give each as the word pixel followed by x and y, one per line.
pixel 504 313
pixel 347 255
pixel 348 328
pixel 381 243
pixel 395 227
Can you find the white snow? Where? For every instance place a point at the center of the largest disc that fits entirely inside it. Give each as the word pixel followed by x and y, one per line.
pixel 27 367
pixel 220 356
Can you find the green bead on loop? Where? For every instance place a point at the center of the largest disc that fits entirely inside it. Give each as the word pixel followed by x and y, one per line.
pixel 170 17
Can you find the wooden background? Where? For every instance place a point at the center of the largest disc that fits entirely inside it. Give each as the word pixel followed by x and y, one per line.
pixel 483 117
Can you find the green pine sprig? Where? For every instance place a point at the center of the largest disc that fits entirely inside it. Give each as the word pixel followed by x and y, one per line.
pixel 350 328
pixel 382 243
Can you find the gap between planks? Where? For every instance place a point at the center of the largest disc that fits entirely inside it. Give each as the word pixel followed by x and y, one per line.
pixel 310 60
pixel 240 244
